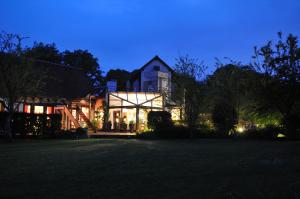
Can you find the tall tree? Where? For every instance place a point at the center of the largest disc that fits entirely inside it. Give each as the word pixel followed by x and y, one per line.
pixel 18 77
pixel 44 52
pixel 187 84
pixel 279 65
pixel 121 76
pixel 84 60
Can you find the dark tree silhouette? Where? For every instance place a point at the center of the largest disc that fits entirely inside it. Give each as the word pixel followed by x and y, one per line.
pixel 279 65
pixel 18 77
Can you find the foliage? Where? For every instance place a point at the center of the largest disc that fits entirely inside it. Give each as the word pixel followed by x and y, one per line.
pixel 279 66
pixel 268 132
pixel 44 52
pixel 230 84
pixel 188 88
pixel 158 120
pixel 224 118
pixel 84 60
pixel 95 123
pixel 18 77
pixel 81 131
pixel 25 124
pixel 123 126
pixel 121 76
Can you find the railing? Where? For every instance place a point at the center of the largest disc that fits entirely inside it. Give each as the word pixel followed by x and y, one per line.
pixel 69 115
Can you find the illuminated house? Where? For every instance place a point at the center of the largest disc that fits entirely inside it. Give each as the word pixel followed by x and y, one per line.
pixel 147 89
pixel 64 90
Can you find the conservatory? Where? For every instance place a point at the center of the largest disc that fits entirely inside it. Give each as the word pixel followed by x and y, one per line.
pixel 132 108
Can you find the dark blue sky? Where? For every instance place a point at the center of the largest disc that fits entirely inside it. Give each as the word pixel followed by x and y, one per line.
pixel 127 33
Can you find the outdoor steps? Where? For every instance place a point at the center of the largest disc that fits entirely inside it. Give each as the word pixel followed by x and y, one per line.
pixel 86 120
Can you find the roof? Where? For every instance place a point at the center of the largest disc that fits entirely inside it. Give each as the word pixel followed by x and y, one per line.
pixel 137 72
pixel 65 82
pixel 61 82
pixel 156 57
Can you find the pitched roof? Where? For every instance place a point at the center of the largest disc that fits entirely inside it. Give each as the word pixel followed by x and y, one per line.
pixel 156 57
pixel 66 82
pixel 136 73
pixel 61 82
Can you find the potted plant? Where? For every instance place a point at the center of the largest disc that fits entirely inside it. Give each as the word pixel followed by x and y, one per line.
pixel 123 126
pixel 108 127
pixel 131 126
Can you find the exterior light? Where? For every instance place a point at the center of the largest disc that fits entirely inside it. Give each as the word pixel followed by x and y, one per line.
pixel 240 129
pixel 280 135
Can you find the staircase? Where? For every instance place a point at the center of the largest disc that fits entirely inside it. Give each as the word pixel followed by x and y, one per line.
pixel 69 115
pixel 90 126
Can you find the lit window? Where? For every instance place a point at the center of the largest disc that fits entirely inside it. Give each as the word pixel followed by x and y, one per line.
pixel 27 108
pixel 38 109
pixel 49 110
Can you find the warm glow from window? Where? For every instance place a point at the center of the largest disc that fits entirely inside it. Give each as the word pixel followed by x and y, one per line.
pixel 85 110
pixel 27 108
pixel 132 99
pixel 49 110
pixel 38 109
pixel 175 113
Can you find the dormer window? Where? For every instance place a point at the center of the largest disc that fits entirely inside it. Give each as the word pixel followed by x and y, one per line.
pixel 156 68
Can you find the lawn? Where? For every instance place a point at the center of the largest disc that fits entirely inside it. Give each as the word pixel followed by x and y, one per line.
pixel 116 168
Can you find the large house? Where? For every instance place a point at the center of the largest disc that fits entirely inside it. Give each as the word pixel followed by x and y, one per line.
pixel 147 89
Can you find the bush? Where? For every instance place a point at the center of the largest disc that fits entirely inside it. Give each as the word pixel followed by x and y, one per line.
pixel 224 118
pixel 171 132
pixel 291 125
pixel 33 124
pixel 269 132
pixel 159 120
pixel 81 132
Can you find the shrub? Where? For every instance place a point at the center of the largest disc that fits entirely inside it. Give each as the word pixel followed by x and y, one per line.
pixel 171 132
pixel 33 124
pixel 123 126
pixel 159 120
pixel 268 132
pixel 224 118
pixel 95 123
pixel 291 125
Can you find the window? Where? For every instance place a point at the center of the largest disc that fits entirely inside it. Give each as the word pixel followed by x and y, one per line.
pixel 156 68
pixel 148 86
pixel 27 108
pixel 38 109
pixel 163 84
pixel 49 110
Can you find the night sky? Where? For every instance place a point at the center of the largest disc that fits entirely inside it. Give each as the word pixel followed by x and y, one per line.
pixel 127 33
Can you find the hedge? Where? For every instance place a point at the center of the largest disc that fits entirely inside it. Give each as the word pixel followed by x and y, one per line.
pixel 33 124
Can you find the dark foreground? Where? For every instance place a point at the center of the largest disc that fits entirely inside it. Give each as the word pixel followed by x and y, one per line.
pixel 113 168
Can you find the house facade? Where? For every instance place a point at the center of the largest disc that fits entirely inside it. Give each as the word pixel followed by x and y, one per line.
pixel 147 89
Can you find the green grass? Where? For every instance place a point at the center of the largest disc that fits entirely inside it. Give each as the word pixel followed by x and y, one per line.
pixel 114 168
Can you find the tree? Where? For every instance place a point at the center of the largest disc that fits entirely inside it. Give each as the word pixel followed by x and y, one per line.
pixel 279 66
pixel 224 117
pixel 229 85
pixel 121 76
pixel 84 60
pixel 44 52
pixel 187 84
pixel 18 77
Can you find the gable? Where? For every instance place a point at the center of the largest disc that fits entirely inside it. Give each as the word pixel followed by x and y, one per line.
pixel 157 61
